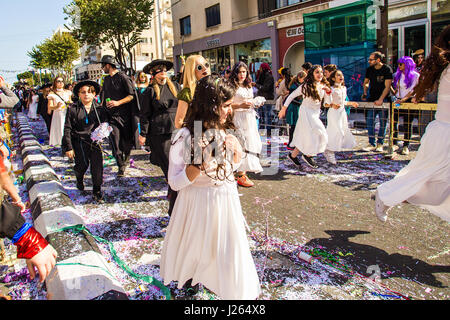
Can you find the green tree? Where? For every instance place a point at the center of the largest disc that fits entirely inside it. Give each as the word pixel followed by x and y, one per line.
pixel 59 52
pixel 27 76
pixel 117 23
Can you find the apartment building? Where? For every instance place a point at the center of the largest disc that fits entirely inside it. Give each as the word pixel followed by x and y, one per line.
pixel 253 31
pixel 156 43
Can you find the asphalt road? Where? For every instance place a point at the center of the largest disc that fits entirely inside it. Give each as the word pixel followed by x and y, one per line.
pixel 327 212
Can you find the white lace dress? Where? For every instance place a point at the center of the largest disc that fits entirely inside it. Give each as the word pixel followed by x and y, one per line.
pixel 245 121
pixel 32 109
pixel 339 135
pixel 206 239
pixel 59 117
pixel 425 181
pixel 310 135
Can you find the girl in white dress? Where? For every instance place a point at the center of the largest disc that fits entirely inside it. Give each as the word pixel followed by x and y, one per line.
pixel 59 100
pixel 425 181
pixel 310 136
pixel 339 135
pixel 245 121
pixel 32 107
pixel 206 240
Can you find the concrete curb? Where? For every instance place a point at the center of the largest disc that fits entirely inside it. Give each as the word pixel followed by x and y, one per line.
pixel 81 273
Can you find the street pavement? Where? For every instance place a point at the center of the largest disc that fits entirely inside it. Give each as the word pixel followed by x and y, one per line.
pixel 325 212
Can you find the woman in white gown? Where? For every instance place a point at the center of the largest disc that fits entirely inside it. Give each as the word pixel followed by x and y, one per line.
pixel 425 181
pixel 206 240
pixel 59 100
pixel 245 121
pixel 32 107
pixel 310 136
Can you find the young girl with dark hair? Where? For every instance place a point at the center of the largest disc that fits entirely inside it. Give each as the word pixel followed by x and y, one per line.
pixel 206 240
pixel 425 181
pixel 339 134
pixel 310 136
pixel 245 120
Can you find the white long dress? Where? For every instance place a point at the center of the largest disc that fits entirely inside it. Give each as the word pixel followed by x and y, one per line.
pixel 310 135
pixel 206 239
pixel 425 181
pixel 59 117
pixel 245 121
pixel 339 135
pixel 32 109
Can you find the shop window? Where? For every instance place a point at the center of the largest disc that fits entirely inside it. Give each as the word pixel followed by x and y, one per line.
pixel 212 15
pixel 185 26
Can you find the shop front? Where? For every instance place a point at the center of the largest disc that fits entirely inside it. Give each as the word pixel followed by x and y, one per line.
pixel 339 36
pixel 292 47
pixel 254 44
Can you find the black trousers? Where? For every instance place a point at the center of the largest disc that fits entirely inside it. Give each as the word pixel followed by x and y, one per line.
pixel 88 154
pixel 121 140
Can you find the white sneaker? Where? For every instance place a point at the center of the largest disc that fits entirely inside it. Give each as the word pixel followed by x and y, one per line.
pixel 369 148
pixel 329 155
pixel 379 148
pixel 405 151
pixel 381 209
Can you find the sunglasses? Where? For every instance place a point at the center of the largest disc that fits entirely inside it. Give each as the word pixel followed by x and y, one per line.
pixel 201 67
pixel 60 81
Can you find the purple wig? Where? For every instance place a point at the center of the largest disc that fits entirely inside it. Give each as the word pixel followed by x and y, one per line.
pixel 409 72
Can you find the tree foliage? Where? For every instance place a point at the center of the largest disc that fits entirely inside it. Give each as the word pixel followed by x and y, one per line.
pixel 117 23
pixel 60 51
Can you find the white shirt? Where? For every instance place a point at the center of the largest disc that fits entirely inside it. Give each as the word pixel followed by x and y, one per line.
pixel 402 91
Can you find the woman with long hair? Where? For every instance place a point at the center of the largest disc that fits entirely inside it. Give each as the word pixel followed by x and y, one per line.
pixel 310 136
pixel 339 135
pixel 405 79
pixel 425 181
pixel 206 239
pixel 195 68
pixel 32 105
pixel 245 121
pixel 291 112
pixel 159 105
pixel 59 100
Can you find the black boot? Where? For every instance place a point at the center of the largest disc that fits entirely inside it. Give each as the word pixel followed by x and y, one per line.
pixel 97 193
pixel 80 184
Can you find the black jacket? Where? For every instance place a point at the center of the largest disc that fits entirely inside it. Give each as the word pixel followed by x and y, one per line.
pixel 265 85
pixel 75 126
pixel 158 116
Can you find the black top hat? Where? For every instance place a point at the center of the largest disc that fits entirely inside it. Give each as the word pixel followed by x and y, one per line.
pixel 148 68
pixel 86 83
pixel 108 59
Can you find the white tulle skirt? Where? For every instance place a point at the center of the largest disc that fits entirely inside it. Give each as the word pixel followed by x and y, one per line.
pixel 206 241
pixel 425 181
pixel 339 135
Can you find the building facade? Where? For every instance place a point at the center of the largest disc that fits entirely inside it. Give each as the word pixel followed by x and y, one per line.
pixel 253 31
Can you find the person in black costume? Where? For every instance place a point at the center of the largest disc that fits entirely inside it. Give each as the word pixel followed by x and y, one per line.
pixel 117 95
pixel 81 120
pixel 158 110
pixel 43 105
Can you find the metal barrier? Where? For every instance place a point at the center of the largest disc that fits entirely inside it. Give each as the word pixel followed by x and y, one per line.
pixel 422 112
pixel 388 118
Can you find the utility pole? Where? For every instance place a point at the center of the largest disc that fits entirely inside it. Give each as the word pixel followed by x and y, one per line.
pixel 382 32
pixel 159 26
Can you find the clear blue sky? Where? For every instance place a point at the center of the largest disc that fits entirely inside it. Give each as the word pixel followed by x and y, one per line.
pixel 26 23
